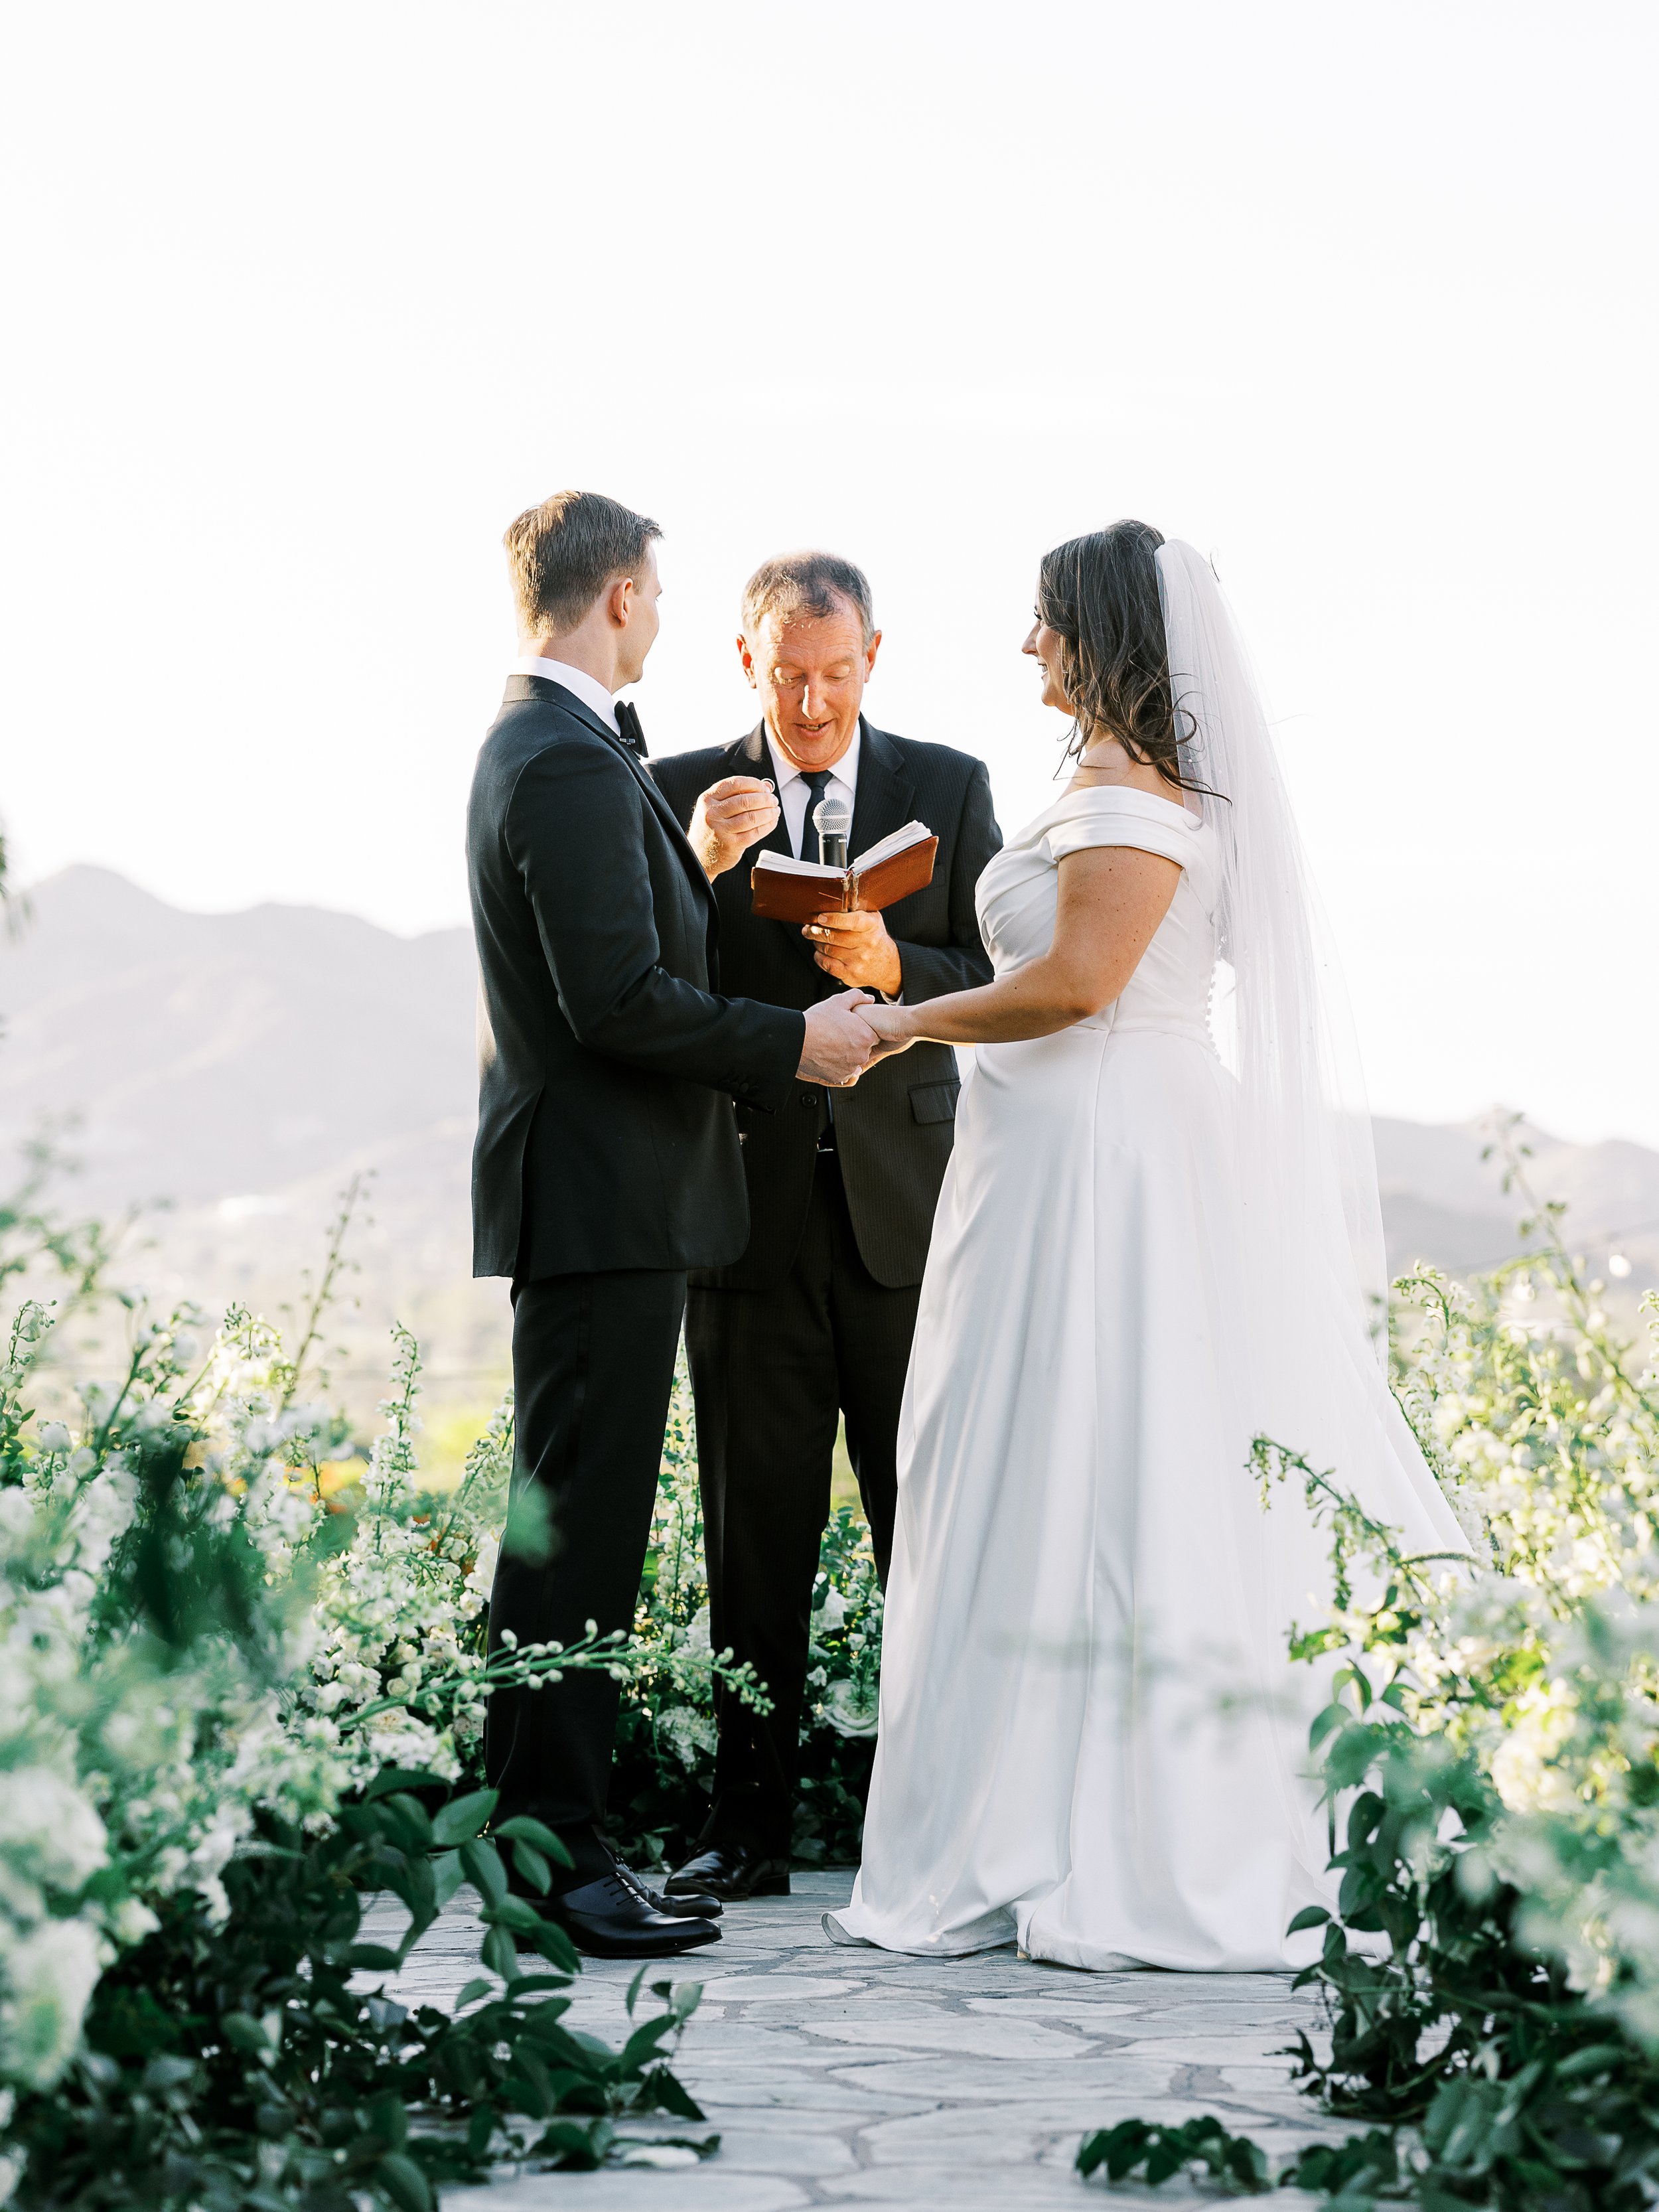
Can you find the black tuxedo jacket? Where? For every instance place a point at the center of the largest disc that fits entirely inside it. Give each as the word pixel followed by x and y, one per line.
pixel 893 1130
pixel 608 1062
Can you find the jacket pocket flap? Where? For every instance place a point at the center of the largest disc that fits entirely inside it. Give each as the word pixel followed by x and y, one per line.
pixel 935 1102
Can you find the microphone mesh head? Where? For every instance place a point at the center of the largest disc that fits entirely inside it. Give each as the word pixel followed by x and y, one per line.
pixel 833 817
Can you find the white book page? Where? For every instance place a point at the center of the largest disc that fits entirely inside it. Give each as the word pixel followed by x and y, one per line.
pixel 784 863
pixel 913 833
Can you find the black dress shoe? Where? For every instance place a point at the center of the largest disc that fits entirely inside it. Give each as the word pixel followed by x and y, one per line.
pixel 614 1918
pixel 732 1872
pixel 693 1904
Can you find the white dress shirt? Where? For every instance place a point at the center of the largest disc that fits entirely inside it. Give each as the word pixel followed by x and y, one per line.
pixel 793 795
pixel 587 689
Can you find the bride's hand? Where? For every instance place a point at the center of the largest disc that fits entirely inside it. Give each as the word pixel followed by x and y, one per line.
pixel 894 1025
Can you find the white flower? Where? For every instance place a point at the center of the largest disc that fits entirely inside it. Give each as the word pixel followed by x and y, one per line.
pixel 481 1579
pixel 831 1614
pixel 132 1921
pixel 51 1974
pixel 54 1437
pixel 847 1712
pixel 49 1830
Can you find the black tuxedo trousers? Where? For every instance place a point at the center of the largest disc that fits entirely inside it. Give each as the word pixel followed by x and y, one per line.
pixel 772 1371
pixel 592 1371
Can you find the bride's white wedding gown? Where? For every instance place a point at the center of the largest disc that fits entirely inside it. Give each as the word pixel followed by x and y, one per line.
pixel 1091 1739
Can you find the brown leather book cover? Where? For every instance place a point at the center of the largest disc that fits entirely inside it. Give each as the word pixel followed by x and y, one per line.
pixel 784 895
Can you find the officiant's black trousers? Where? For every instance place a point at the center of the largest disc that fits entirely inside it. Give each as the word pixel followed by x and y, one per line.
pixel 773 1371
pixel 592 1370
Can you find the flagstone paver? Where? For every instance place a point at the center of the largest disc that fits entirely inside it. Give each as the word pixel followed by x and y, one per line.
pixel 858 2078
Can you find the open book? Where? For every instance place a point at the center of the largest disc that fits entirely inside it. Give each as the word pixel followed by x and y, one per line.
pixel 786 889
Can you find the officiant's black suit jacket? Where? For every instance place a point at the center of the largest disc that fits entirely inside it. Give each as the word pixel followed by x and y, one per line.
pixel 893 1130
pixel 608 1061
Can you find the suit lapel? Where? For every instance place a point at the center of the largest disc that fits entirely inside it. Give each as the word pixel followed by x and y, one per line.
pixel 542 687
pixel 885 798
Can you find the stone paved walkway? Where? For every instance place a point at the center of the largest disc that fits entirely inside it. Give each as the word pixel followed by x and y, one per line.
pixel 858 2078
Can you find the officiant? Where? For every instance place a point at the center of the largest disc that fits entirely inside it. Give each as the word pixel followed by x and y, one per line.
pixel 813 1323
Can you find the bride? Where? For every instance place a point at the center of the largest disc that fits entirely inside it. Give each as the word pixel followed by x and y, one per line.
pixel 1158 1237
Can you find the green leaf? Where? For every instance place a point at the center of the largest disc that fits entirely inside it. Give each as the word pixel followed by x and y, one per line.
pixel 532 1866
pixel 664 2092
pixel 404 1819
pixel 479 1987
pixel 245 2032
pixel 516 1912
pixel 485 1871
pixel 577 2146
pixel 372 1958
pixel 447 1875
pixel 1311 1916
pixel 1596 2060
pixel 463 1817
pixel 1332 1717
pixel 555 1944
pixel 1091 2152
pixel 522 1829
pixel 499 1952
pixel 404 2183
pixel 396 1778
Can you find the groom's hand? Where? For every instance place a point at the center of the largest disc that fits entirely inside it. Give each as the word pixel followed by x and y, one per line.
pixel 730 817
pixel 839 1044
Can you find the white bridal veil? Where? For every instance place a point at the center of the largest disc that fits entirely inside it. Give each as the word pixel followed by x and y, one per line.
pixel 1307 1172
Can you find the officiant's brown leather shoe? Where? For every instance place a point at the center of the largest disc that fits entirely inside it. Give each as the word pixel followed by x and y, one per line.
pixel 730 1872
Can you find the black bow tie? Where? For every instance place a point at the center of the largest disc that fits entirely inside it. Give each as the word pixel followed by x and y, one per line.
pixel 627 727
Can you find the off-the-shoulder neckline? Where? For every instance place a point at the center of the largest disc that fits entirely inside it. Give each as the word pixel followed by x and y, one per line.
pixel 1126 790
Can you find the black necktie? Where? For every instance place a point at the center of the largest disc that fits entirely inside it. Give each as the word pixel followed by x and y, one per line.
pixel 812 847
pixel 627 727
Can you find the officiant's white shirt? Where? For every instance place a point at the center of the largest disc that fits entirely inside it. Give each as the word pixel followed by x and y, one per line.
pixel 793 796
pixel 587 689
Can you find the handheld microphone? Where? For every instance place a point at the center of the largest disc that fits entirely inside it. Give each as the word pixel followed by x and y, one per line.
pixel 833 819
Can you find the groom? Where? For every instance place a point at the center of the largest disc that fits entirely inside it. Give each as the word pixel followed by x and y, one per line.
pixel 607 1163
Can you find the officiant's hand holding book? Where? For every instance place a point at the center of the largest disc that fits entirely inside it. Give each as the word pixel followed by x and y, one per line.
pixel 786 889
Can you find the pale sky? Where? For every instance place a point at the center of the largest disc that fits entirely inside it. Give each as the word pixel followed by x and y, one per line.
pixel 307 302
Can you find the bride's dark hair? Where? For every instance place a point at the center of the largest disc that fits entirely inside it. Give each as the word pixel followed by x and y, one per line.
pixel 1100 594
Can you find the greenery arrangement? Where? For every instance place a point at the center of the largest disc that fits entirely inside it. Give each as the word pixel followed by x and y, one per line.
pixel 1493 1747
pixel 238 1702
pixel 247 1671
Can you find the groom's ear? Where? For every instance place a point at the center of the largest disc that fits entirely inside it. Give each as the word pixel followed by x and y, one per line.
pixel 748 661
pixel 870 653
pixel 618 593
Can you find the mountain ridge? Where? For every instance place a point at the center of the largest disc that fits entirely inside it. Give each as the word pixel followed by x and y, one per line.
pixel 243 1066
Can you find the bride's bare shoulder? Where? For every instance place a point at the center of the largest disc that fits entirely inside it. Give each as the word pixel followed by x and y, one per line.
pixel 1132 776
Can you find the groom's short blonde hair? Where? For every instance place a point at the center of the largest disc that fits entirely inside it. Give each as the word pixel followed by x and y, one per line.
pixel 563 553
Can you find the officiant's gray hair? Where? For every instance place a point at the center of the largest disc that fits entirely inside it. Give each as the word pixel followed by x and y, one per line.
pixel 795 583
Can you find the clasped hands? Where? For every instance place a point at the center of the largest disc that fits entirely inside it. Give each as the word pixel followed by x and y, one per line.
pixel 849 1033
